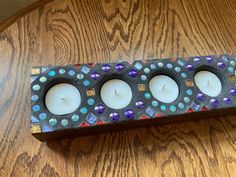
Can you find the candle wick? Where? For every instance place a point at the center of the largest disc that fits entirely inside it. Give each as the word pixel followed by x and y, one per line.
pixel 163 87
pixel 62 99
pixel 208 83
pixel 115 92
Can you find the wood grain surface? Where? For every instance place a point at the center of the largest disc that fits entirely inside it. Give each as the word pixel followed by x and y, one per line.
pixel 79 31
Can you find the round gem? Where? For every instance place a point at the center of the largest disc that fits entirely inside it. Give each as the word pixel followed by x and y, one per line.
pixel 160 64
pixel 95 76
pixel 146 70
pixel 43 79
pixel 209 59
pixel 71 72
pixel 232 63
pixel 36 108
pixel 129 114
pixel 181 105
pixel 153 66
pixel 169 65
pixel 163 107
pixel 186 100
pixel 75 118
pixel 114 116
pixel 227 100
pixel 230 69
pixel 140 104
pixel 62 71
pixel 197 60
pixel 51 73
pixel 90 101
pixel 143 77
pixel 42 116
pixel 64 122
pixel 154 103
pixel 106 68
pixel 221 65
pixel 177 69
pixel 133 73
pixel 201 97
pixel 80 76
pixel 233 92
pixel 119 67
pixel 84 110
pixel 36 87
pixel 189 92
pixel 214 102
pixel 34 98
pixel 147 95
pixel 184 75
pixel 99 109
pixel 86 82
pixel 52 121
pixel 172 108
pixel 189 67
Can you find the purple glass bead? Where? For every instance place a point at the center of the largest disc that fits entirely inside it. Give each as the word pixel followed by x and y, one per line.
pixel 99 109
pixel 201 97
pixel 197 60
pixel 95 76
pixel 214 102
pixel 106 68
pixel 209 59
pixel 221 64
pixel 120 67
pixel 140 104
pixel 233 92
pixel 227 100
pixel 129 114
pixel 133 73
pixel 189 67
pixel 114 116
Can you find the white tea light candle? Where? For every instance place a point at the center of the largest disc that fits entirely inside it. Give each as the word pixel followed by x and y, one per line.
pixel 164 88
pixel 116 94
pixel 208 83
pixel 62 99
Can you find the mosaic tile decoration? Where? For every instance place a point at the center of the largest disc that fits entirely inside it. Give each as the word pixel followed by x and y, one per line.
pixel 88 79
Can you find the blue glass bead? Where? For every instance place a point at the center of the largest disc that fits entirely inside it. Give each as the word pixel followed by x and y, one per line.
pixel 90 101
pixel 169 65
pixel 163 107
pixel 62 71
pixel 160 64
pixel 75 118
pixel 95 76
pixel 36 87
pixel 64 122
pixel 214 102
pixel 197 60
pixel 172 108
pixel 154 103
pixel 71 73
pixel 86 82
pixel 138 66
pixel 232 63
pixel 189 92
pixel 91 118
pixel 227 101
pixel 51 73
pixel 119 67
pixel 34 98
pixel 186 99
pixel 146 70
pixel 85 69
pixel 84 110
pixel 233 92
pixel 184 75
pixel 106 68
pixel 209 59
pixel 129 114
pixel 36 108
pixel 181 105
pixel 221 65
pixel 189 67
pixel 80 76
pixel 43 79
pixel 140 104
pixel 150 111
pixel 153 66
pixel 133 73
pixel 99 109
pixel 114 116
pixel 147 95
pixel 230 69
pixel 143 77
pixel 201 97
pixel 52 121
pixel 42 116
pixel 177 69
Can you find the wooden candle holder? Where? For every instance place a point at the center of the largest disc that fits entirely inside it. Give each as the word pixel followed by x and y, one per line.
pixel 94 116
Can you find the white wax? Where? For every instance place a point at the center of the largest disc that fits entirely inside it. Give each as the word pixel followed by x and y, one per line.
pixel 62 99
pixel 164 88
pixel 208 83
pixel 116 94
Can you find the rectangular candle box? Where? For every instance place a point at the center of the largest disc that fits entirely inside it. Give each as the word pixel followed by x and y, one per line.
pixel 83 99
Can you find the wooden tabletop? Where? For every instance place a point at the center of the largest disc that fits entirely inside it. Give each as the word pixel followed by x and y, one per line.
pixel 72 31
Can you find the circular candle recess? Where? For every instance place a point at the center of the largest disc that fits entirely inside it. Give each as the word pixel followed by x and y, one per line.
pixel 208 83
pixel 62 99
pixel 164 88
pixel 116 94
